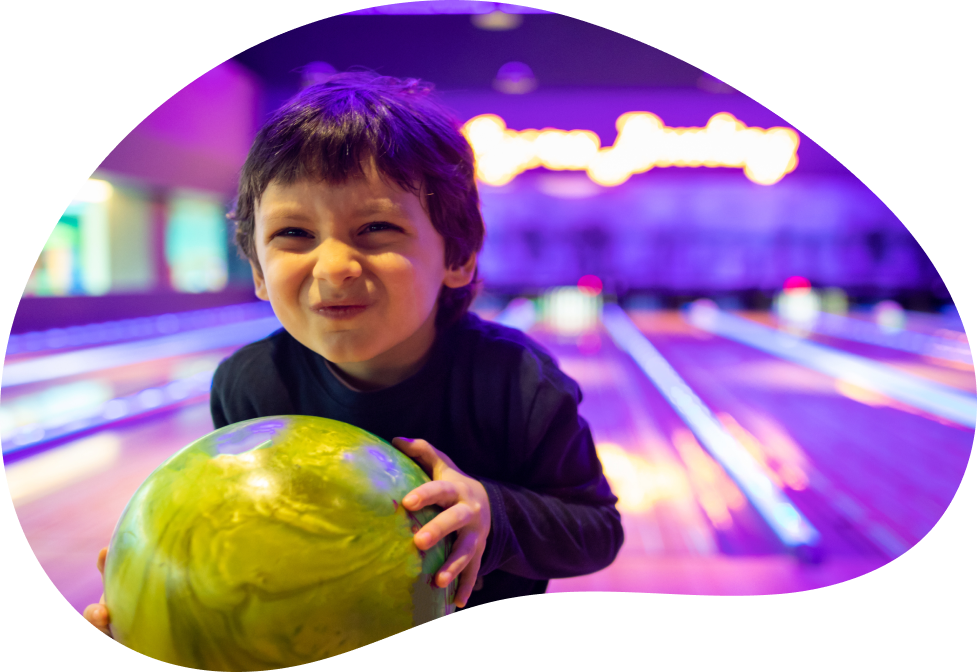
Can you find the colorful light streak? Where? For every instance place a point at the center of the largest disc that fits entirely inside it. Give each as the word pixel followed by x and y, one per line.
pixel 939 400
pixel 53 406
pixel 716 493
pixel 790 526
pixel 643 142
pixel 780 473
pixel 47 473
pixel 37 342
pixel 78 362
pixel 929 345
pixel 638 482
pixel 152 399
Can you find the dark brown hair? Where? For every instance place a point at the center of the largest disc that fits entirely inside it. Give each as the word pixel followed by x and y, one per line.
pixel 330 129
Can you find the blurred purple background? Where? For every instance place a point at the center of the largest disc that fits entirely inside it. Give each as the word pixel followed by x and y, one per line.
pixel 674 232
pixel 802 315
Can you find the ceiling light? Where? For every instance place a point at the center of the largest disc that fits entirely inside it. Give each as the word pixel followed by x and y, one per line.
pixel 497 20
pixel 515 78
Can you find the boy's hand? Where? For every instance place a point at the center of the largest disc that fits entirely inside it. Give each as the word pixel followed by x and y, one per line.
pixel 98 614
pixel 466 510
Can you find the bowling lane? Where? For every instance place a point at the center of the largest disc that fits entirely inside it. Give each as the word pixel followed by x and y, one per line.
pixel 69 498
pixel 122 380
pixel 868 464
pixel 634 429
pixel 688 527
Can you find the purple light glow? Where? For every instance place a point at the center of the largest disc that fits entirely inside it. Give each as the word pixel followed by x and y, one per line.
pixel 447 7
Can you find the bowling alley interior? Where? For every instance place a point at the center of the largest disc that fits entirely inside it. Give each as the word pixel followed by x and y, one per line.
pixel 778 384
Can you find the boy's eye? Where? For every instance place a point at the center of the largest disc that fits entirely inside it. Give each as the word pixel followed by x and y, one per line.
pixel 292 232
pixel 377 227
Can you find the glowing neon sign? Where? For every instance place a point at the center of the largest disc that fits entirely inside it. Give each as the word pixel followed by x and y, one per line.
pixel 643 142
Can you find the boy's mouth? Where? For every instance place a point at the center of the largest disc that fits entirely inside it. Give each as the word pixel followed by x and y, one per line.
pixel 339 310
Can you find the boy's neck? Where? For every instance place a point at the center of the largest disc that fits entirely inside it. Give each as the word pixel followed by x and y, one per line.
pixel 391 367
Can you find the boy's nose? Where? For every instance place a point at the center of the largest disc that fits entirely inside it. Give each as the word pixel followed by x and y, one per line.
pixel 336 263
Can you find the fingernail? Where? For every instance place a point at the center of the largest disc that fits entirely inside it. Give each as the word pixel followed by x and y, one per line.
pixel 444 579
pixel 404 438
pixel 410 500
pixel 423 539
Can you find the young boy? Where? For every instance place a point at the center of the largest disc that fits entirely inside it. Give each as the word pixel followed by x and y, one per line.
pixel 358 211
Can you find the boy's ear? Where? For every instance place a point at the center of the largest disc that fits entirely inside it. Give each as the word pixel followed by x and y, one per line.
pixel 459 276
pixel 260 289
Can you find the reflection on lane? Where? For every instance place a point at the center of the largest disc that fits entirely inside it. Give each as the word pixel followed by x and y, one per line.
pixel 926 395
pixel 34 416
pixel 658 469
pixel 793 529
pixel 885 472
pixel 88 360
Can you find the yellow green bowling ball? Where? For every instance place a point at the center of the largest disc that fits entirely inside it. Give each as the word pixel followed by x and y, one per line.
pixel 269 543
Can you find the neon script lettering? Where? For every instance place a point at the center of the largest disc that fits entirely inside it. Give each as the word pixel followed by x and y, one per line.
pixel 643 142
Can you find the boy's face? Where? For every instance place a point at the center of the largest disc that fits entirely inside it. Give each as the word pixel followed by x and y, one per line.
pixel 353 270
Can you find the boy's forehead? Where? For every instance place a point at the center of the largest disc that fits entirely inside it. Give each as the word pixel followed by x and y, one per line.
pixel 364 195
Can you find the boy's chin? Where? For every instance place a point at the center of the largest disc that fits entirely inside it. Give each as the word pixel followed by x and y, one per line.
pixel 347 351
pixel 345 355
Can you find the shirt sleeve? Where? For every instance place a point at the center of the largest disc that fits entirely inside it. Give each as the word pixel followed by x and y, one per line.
pixel 218 393
pixel 556 516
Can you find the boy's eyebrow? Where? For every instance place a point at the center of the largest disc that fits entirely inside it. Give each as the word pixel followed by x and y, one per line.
pixel 368 208
pixel 377 207
pixel 286 212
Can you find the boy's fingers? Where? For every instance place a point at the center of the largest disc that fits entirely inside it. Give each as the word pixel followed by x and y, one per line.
pixel 442 493
pixel 418 450
pixel 443 524
pixel 101 560
pixel 423 453
pixel 466 581
pixel 98 615
pixel 461 556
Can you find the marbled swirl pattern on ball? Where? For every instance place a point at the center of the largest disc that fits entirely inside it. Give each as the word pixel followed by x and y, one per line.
pixel 270 543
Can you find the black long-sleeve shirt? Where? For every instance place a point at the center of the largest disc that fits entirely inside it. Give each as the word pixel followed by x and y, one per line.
pixel 495 402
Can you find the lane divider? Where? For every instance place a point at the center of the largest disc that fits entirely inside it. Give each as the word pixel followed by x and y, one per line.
pixel 776 509
pixel 132 329
pixel 30 440
pixel 925 395
pixel 929 345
